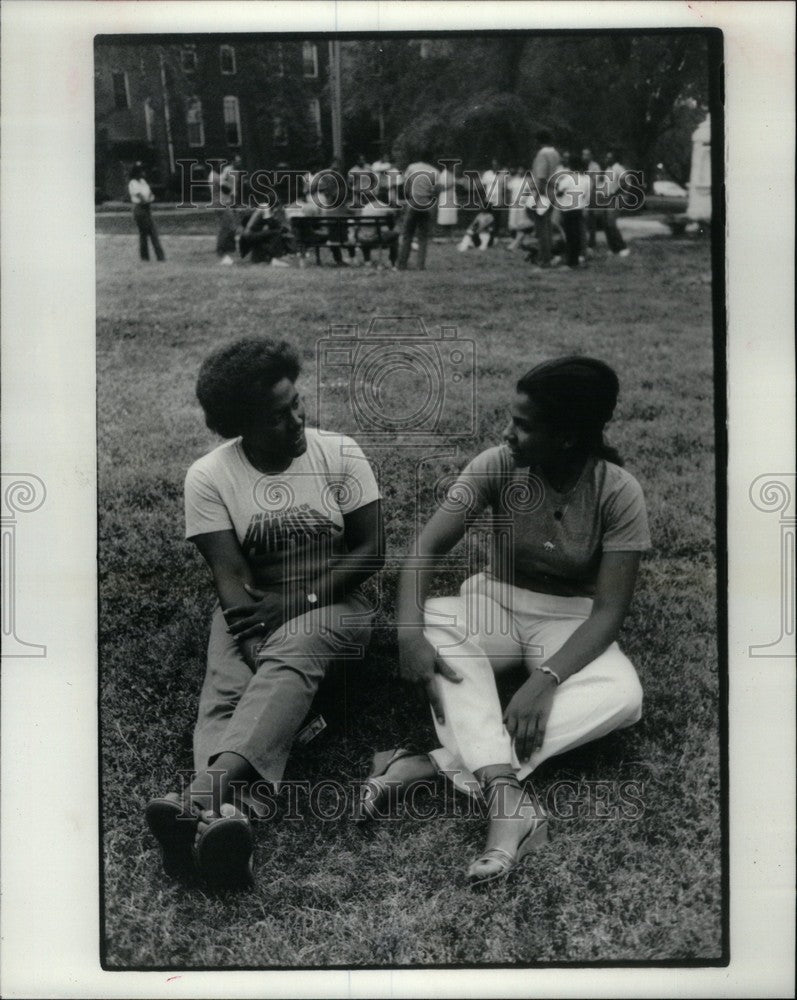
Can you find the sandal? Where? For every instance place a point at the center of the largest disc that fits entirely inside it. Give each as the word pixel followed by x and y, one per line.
pixel 496 863
pixel 173 824
pixel 223 850
pixel 379 796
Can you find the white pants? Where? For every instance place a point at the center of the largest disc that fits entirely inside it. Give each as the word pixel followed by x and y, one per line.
pixel 493 626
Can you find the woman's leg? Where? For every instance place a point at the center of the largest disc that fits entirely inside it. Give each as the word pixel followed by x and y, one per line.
pixel 266 716
pixel 476 636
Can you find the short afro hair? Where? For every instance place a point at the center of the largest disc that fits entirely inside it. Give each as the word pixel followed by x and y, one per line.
pixel 233 379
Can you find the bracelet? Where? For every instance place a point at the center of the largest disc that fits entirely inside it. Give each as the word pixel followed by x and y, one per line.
pixel 553 673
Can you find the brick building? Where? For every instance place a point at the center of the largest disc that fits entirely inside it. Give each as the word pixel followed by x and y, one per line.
pixel 163 100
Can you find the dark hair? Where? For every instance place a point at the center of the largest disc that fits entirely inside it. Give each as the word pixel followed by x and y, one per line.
pixel 232 381
pixel 544 137
pixel 576 395
pixel 577 162
pixel 136 171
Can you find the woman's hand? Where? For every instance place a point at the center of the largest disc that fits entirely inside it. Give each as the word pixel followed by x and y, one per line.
pixel 526 715
pixel 262 617
pixel 418 665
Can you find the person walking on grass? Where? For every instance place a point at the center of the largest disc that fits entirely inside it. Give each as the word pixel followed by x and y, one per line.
pixel 421 187
pixel 141 197
pixel 226 193
pixel 569 527
pixel 542 170
pixel 289 521
pixel 572 198
pixel 614 238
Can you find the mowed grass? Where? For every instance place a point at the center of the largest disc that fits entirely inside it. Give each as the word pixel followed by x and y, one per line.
pixel 607 888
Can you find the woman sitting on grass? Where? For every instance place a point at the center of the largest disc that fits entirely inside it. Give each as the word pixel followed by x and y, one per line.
pixel 289 521
pixel 568 526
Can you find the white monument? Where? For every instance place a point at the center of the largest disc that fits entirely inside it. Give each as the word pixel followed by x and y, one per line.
pixel 699 207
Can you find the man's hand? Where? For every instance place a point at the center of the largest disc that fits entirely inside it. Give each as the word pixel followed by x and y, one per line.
pixel 263 616
pixel 418 665
pixel 526 715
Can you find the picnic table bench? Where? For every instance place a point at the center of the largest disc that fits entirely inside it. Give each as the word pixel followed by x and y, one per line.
pixel 342 230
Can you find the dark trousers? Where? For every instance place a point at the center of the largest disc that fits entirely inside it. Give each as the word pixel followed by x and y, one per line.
pixel 228 227
pixel 589 228
pixel 418 224
pixel 543 230
pixel 572 223
pixel 613 236
pixel 389 240
pixel 263 245
pixel 146 232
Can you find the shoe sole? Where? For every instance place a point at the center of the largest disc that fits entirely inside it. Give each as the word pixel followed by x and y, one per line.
pixel 175 834
pixel 223 854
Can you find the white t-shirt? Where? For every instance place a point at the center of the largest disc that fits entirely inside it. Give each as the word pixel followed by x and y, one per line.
pixel 140 192
pixel 287 524
pixel 546 541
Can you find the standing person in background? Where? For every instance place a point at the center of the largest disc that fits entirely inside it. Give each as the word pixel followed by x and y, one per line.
pixel 519 219
pixel 421 187
pixel 141 197
pixel 615 170
pixel 447 207
pixel 572 195
pixel 494 182
pixel 545 163
pixel 590 216
pixel 226 193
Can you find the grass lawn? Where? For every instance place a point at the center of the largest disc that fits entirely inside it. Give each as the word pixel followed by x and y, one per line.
pixel 608 887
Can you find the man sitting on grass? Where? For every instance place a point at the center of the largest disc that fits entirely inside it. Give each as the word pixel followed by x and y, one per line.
pixel 289 521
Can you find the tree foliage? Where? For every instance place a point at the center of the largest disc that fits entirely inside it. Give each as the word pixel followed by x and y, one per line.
pixel 479 97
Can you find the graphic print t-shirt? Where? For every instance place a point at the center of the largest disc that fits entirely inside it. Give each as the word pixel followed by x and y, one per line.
pixel 287 524
pixel 546 541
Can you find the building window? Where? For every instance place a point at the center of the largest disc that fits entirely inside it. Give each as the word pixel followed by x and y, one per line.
pixel 314 112
pixel 309 59
pixel 280 133
pixel 193 120
pixel 149 118
pixel 232 121
pixel 227 59
pixel 188 59
pixel 121 95
pixel 280 60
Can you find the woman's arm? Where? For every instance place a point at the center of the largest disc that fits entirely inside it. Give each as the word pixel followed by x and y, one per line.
pixel 364 533
pixel 526 716
pixel 365 542
pixel 418 660
pixel 231 576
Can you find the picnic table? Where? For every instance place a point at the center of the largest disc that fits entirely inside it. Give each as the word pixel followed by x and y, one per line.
pixel 339 229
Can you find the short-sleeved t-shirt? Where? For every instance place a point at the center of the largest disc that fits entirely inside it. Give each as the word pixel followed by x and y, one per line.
pixel 287 524
pixel 547 541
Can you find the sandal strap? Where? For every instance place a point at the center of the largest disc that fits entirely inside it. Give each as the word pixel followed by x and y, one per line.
pixel 506 859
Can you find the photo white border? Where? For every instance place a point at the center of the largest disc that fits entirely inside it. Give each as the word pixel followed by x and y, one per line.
pixel 50 913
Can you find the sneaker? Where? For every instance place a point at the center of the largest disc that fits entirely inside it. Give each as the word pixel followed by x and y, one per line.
pixel 226 260
pixel 624 252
